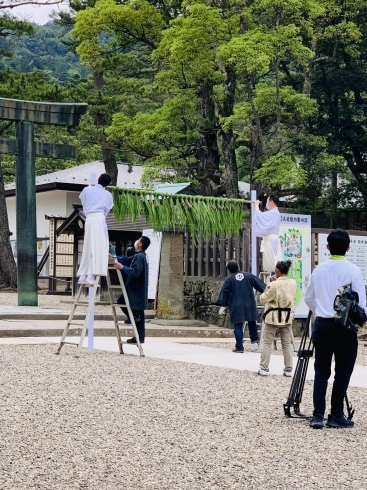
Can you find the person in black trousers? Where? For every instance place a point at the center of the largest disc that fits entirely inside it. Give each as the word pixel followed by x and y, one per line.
pixel 237 293
pixel 136 283
pixel 329 337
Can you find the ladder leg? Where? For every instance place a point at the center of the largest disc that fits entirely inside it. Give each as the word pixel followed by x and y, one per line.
pixel 127 304
pixel 70 319
pixel 90 307
pixel 114 315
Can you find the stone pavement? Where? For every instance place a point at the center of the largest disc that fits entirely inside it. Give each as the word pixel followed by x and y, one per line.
pixel 181 350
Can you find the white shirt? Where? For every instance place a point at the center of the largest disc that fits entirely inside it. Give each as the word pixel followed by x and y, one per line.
pixel 325 281
pixel 268 222
pixel 96 199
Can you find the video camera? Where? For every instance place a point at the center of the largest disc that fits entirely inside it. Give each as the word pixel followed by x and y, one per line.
pixel 347 310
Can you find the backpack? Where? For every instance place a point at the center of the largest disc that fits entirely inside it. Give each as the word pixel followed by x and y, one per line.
pixel 347 310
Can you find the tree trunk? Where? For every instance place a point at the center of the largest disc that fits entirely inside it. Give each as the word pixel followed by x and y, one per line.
pixel 101 121
pixel 207 149
pixel 227 137
pixel 8 268
pixel 110 163
pixel 353 167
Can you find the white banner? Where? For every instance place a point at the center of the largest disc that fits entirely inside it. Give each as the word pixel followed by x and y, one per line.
pixel 357 253
pixel 295 238
pixel 154 256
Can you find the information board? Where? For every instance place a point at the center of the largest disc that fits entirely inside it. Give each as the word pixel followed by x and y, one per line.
pixel 153 253
pixel 357 253
pixel 295 239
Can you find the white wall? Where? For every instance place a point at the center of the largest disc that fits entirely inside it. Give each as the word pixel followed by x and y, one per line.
pixel 71 198
pixel 52 203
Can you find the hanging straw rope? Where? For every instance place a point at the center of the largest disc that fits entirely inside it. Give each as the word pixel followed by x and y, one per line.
pixel 203 216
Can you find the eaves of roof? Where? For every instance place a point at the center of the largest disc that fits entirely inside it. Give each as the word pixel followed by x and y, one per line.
pixel 63 186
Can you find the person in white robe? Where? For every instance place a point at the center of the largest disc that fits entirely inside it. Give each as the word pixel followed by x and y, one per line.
pixel 267 227
pixel 97 203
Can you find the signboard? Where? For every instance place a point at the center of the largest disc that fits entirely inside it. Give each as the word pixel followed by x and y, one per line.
pixel 295 238
pixel 153 253
pixel 357 253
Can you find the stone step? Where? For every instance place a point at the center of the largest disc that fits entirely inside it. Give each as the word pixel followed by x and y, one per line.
pixel 15 329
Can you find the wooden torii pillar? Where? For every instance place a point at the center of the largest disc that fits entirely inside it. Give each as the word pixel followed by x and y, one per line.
pixel 25 114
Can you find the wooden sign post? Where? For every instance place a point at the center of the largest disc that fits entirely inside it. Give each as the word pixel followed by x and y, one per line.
pixel 25 114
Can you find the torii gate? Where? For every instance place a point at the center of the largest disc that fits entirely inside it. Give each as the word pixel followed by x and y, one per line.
pixel 25 114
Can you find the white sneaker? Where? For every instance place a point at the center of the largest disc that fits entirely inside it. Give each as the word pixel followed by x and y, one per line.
pixel 254 346
pixel 287 372
pixel 82 280
pixel 90 279
pixel 263 372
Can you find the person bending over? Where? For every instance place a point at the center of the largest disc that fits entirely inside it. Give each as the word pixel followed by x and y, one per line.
pixel 136 286
pixel 237 294
pixel 279 296
pixel 330 338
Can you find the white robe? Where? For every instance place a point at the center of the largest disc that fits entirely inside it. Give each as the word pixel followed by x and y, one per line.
pixel 267 226
pixel 97 202
pixel 96 244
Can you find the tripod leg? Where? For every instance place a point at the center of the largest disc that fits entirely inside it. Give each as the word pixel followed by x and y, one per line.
pixel 350 408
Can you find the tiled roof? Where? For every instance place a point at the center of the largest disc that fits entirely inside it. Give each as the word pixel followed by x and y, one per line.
pixel 82 174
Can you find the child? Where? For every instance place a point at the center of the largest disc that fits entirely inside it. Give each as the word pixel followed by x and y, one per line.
pixel 279 296
pixel 237 293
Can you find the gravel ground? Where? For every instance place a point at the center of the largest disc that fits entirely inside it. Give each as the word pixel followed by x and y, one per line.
pixel 105 422
pixel 361 357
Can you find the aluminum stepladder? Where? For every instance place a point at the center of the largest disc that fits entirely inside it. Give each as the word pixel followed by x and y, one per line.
pixel 91 303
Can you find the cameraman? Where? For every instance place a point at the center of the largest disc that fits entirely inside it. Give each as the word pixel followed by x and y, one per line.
pixel 329 337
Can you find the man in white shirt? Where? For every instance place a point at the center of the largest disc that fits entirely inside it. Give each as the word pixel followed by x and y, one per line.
pixel 331 338
pixel 267 227
pixel 97 202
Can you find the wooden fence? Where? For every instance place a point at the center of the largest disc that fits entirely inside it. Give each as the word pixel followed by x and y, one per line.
pixel 208 258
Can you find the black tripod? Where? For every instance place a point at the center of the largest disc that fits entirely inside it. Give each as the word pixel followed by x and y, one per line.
pixel 299 378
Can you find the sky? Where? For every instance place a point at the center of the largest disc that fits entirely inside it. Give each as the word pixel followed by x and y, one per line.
pixel 39 15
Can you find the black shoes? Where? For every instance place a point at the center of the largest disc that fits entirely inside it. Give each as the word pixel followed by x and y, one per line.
pixel 317 422
pixel 339 422
pixel 240 351
pixel 133 341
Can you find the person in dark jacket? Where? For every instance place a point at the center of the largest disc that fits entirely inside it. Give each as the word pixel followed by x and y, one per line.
pixel 125 260
pixel 237 294
pixel 136 285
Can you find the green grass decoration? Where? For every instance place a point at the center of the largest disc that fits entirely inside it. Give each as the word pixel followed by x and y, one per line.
pixel 204 216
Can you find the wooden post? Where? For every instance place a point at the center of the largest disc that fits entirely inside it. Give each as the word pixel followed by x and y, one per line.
pixel 26 215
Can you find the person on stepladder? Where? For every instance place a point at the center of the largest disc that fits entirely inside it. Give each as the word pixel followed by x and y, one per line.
pixel 329 337
pixel 267 227
pixel 237 294
pixel 136 286
pixel 97 203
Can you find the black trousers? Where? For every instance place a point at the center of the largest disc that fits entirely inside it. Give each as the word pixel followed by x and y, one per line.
pixel 330 339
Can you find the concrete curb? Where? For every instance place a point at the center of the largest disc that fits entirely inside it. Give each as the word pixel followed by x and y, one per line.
pixel 125 332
